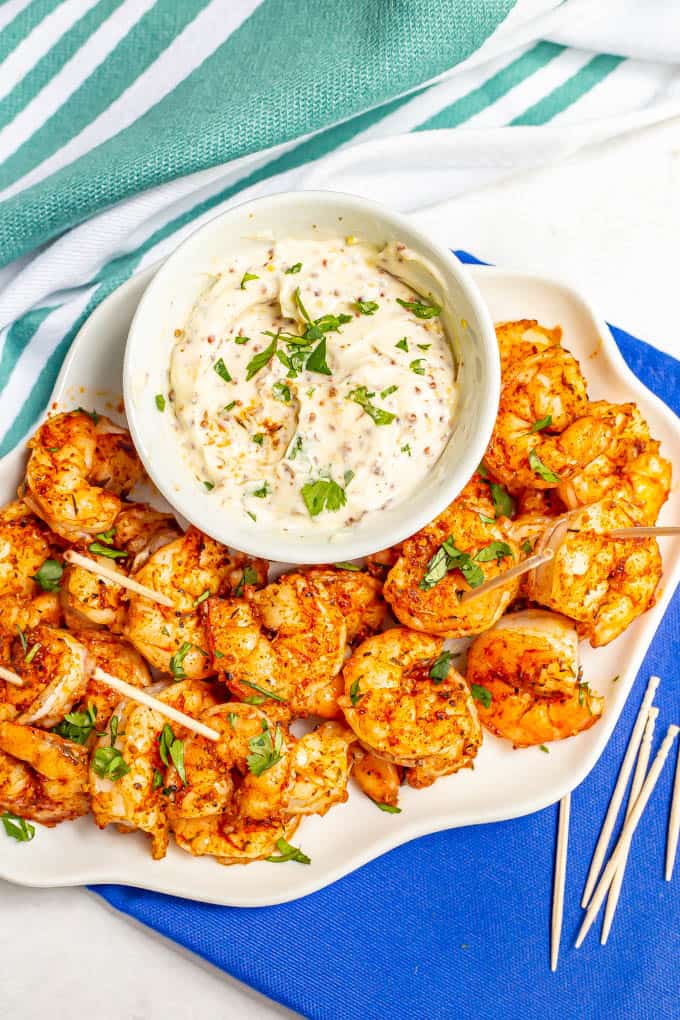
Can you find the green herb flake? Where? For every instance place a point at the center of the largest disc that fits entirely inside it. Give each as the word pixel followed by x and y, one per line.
pixel 542 747
pixel 440 667
pixel 526 546
pixel 99 549
pixel 261 359
pixel 296 447
pixel 419 309
pixel 77 726
pixel 49 575
pixel 108 762
pixel 263 491
pixel 233 719
pixel 33 652
pixel 209 486
pixel 402 344
pixel 222 370
pixel 90 414
pixel 176 665
pixel 390 809
pixel 323 494
pixel 265 752
pixel 316 362
pixel 448 558
pixel 366 307
pixel 418 366
pixel 481 694
pixel 230 406
pixel 503 503
pixel 157 780
pixel 347 566
pixel 246 278
pixel 263 690
pixel 423 347
pixel 160 401
pixel 107 537
pixel 22 639
pixel 386 393
pixel 541 424
pixel 249 576
pixel 485 519
pixel 539 468
pixel 494 551
pixel 240 340
pixel 258 438
pixel 288 853
pixel 202 597
pixel 361 396
pixel 18 828
pixel 281 392
pixel 407 450
pixel 355 695
pixel 293 270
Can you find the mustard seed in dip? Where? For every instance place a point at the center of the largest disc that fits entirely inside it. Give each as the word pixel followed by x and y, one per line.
pixel 311 386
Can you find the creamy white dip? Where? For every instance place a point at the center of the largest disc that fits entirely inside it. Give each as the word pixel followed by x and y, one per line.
pixel 304 394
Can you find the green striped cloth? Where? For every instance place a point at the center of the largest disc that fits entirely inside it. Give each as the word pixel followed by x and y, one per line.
pixel 125 123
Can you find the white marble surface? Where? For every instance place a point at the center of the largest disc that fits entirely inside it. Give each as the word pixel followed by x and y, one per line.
pixel 608 220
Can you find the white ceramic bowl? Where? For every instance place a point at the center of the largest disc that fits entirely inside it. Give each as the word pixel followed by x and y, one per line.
pixel 166 305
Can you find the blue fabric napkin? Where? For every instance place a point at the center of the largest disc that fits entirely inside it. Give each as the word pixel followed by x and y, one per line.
pixel 458 924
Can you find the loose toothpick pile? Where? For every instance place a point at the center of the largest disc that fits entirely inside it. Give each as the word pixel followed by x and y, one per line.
pixel 601 882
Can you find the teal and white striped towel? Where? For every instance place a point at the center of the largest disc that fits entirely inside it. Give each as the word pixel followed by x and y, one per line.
pixel 125 123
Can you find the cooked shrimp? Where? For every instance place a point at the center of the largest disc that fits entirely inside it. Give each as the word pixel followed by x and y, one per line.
pixel 42 776
pixel 299 666
pixel 25 543
pixel 378 779
pixel 55 670
pixel 187 570
pixel 114 656
pixel 138 797
pixel 460 549
pixel 631 469
pixel 92 601
pixel 398 710
pixel 517 341
pixel 527 720
pixel 544 432
pixel 600 582
pixel 78 469
pixel 320 764
pixel 356 594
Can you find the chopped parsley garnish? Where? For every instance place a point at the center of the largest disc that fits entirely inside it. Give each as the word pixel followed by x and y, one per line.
pixel 366 307
pixel 230 406
pixel 390 809
pixel 584 696
pixel 546 750
pixel 323 494
pixel 494 551
pixel 386 393
pixel 294 269
pixel 249 576
pixel 251 515
pixel 447 558
pixel 22 639
pixel 542 423
pixel 418 366
pixel 263 690
pixel 209 486
pixel 355 695
pixel 419 309
pixel 440 667
pixel 30 656
pixel 157 780
pixel 90 414
pixel 539 468
pixel 281 392
pixel 526 546
pixel 486 520
pixel 481 694
pixel 362 397
pixel 202 597
pixel 108 762
pixel 288 853
pixel 347 566
pixel 99 549
pixel 258 438
pixel 407 449
pixel 107 537
pixel 265 752
pixel 297 298
pixel 402 344
pixel 295 448
pixel 503 503
pixel 49 575
pixel 160 401
pixel 77 726
pixel 263 491
pixel 482 471
pixel 316 362
pixel 246 278
pixel 233 719
pixel 423 347
pixel 222 370
pixel 240 340
pixel 261 359
pixel 176 664
pixel 172 750
pixel 18 828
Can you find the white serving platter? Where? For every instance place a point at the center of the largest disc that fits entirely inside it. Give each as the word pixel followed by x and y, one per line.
pixel 504 783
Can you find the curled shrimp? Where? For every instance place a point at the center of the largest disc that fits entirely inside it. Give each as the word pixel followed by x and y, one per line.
pixel 631 469
pixel 116 657
pixel 91 601
pixel 25 544
pixel 602 583
pixel 188 571
pixel 54 668
pixel 525 677
pixel 285 642
pixel 77 471
pixel 521 339
pixel 380 780
pixel 356 594
pixel 403 713
pixel 137 797
pixel 459 550
pixel 42 776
